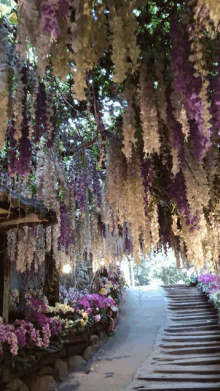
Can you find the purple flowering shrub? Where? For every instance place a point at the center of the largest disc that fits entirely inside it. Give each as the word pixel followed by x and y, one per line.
pixel 208 282
pixel 41 329
pixel 70 296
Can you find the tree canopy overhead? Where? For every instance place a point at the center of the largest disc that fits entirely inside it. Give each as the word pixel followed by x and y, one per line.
pixel 110 112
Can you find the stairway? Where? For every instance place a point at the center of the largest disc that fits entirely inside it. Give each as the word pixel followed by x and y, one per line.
pixel 187 352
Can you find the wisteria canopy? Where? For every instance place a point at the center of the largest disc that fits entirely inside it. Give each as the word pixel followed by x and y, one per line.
pixel 110 115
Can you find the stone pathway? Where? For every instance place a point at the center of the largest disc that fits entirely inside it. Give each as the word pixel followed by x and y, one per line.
pixel 187 350
pixel 114 365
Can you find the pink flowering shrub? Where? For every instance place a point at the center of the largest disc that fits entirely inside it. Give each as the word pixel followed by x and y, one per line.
pixel 210 282
pixel 40 328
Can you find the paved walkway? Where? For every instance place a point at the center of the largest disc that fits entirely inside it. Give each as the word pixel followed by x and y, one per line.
pixel 115 364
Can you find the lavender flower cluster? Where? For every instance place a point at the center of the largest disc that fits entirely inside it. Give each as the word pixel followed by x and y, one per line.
pixel 66 233
pixel 189 87
pixel 178 194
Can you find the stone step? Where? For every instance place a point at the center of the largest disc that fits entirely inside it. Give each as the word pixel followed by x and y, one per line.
pixel 194 350
pixel 191 325
pixel 199 369
pixel 193 312
pixel 191 317
pixel 188 306
pixel 178 386
pixel 180 377
pixel 192 339
pixel 190 360
pixel 194 334
pixel 179 345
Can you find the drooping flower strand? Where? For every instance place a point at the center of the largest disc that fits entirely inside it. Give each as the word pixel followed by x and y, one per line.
pixel 4 95
pixel 24 142
pixel 148 113
pixel 178 193
pixel 188 87
pixel 161 91
pixel 22 129
pixel 216 96
pixel 129 139
pixel 12 244
pixel 87 41
pixel 64 227
pixel 13 161
pixel 147 178
pixel 196 34
pixel 124 45
pixel 210 8
pixel 41 113
pixel 176 139
pixel 46 178
pixel 197 187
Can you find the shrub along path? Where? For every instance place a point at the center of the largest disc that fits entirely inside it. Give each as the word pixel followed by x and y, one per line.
pixel 187 352
pixel 116 362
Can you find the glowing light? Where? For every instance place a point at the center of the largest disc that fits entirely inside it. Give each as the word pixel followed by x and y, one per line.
pixel 66 269
pixel 102 262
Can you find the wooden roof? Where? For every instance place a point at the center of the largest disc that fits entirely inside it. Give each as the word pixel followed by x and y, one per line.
pixel 17 210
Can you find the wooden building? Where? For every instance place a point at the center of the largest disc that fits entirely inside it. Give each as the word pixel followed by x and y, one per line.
pixel 16 211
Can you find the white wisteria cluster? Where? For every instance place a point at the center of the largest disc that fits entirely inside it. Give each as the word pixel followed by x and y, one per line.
pixel 148 109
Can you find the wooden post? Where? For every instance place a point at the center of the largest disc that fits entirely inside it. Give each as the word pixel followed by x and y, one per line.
pixel 7 272
pixel 51 289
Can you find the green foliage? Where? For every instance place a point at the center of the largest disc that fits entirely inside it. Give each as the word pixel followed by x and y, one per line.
pixel 170 274
pixel 189 281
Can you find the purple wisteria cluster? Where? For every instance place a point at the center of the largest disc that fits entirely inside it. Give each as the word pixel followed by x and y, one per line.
pixel 12 168
pixel 50 10
pixel 41 113
pixel 66 233
pixel 49 18
pixel 189 87
pixel 128 246
pixel 178 194
pixel 216 97
pixel 20 155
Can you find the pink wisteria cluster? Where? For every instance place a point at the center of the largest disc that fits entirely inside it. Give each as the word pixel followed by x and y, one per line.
pixel 210 281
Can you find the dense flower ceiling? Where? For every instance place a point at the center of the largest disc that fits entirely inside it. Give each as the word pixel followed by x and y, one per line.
pixel 148 179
